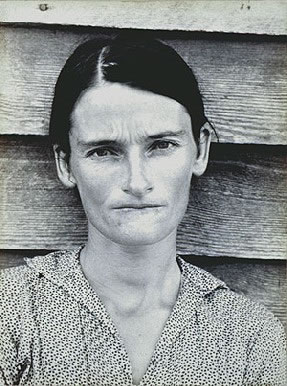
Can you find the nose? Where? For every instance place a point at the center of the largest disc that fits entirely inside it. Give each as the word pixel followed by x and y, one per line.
pixel 137 182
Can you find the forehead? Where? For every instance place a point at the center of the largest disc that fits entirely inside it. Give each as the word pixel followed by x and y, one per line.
pixel 115 110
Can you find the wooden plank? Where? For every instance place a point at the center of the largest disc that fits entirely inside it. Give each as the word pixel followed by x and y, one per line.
pixel 248 16
pixel 10 258
pixel 238 208
pixel 261 281
pixel 239 204
pixel 244 82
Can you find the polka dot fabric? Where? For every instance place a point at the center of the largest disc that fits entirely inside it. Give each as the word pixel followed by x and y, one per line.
pixel 56 331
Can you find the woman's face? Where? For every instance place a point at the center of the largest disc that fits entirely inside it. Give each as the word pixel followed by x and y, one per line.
pixel 132 158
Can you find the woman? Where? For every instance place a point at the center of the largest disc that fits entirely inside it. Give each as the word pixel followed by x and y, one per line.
pixel 129 131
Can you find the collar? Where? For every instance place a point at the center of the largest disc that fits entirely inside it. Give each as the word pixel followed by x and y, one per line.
pixel 59 266
pixel 64 270
pixel 198 280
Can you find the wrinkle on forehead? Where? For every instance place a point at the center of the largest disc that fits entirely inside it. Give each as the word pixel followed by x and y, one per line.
pixel 121 113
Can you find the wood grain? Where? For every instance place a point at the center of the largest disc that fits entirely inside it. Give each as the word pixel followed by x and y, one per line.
pixel 262 281
pixel 244 82
pixel 250 16
pixel 238 208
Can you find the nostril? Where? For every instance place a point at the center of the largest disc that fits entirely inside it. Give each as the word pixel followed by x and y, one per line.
pixel 138 185
pixel 138 189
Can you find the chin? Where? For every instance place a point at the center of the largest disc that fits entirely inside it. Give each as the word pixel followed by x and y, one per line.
pixel 140 238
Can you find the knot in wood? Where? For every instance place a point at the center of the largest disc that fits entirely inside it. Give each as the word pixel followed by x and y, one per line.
pixel 43 7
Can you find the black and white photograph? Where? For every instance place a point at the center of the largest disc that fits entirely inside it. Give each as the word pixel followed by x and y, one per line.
pixel 143 195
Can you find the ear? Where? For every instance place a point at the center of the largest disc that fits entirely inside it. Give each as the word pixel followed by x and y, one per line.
pixel 203 150
pixel 63 170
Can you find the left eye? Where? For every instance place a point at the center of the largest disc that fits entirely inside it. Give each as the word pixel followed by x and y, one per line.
pixel 162 145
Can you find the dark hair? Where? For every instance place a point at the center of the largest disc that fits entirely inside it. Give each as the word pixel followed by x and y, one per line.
pixel 135 60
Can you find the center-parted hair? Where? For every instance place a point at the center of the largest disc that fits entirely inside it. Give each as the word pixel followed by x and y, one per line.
pixel 134 60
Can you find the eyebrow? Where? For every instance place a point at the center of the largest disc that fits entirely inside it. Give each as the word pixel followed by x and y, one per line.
pixel 106 142
pixel 103 142
pixel 179 133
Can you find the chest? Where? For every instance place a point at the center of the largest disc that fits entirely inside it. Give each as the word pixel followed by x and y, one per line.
pixel 72 345
pixel 140 335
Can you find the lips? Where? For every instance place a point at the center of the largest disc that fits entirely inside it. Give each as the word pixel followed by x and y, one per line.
pixel 137 206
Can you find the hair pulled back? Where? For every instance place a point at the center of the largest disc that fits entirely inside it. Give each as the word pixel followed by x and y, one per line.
pixel 135 60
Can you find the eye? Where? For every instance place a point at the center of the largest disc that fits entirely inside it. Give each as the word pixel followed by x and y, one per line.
pixel 102 152
pixel 163 145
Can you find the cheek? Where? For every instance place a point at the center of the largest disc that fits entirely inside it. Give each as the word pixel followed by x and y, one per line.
pixel 93 184
pixel 176 172
pixel 174 186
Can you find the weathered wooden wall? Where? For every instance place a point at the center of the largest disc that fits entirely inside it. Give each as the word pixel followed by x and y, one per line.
pixel 237 210
pixel 244 81
pixel 246 16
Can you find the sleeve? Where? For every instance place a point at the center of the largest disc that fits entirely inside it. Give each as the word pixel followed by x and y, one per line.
pixel 9 327
pixel 267 361
pixel 8 359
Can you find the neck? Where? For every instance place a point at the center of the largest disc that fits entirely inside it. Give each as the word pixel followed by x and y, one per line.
pixel 132 278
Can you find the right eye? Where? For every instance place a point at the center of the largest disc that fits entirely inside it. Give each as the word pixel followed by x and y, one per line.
pixel 102 152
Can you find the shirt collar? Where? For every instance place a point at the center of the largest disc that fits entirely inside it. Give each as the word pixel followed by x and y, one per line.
pixel 197 280
pixel 64 270
pixel 58 266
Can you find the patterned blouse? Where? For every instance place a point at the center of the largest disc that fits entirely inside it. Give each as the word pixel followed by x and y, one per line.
pixel 56 331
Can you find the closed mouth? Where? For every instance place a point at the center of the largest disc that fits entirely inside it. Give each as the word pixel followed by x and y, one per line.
pixel 142 206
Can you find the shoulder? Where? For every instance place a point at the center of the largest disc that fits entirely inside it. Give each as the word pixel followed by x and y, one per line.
pixel 12 284
pixel 242 315
pixel 17 277
pixel 232 311
pixel 18 284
